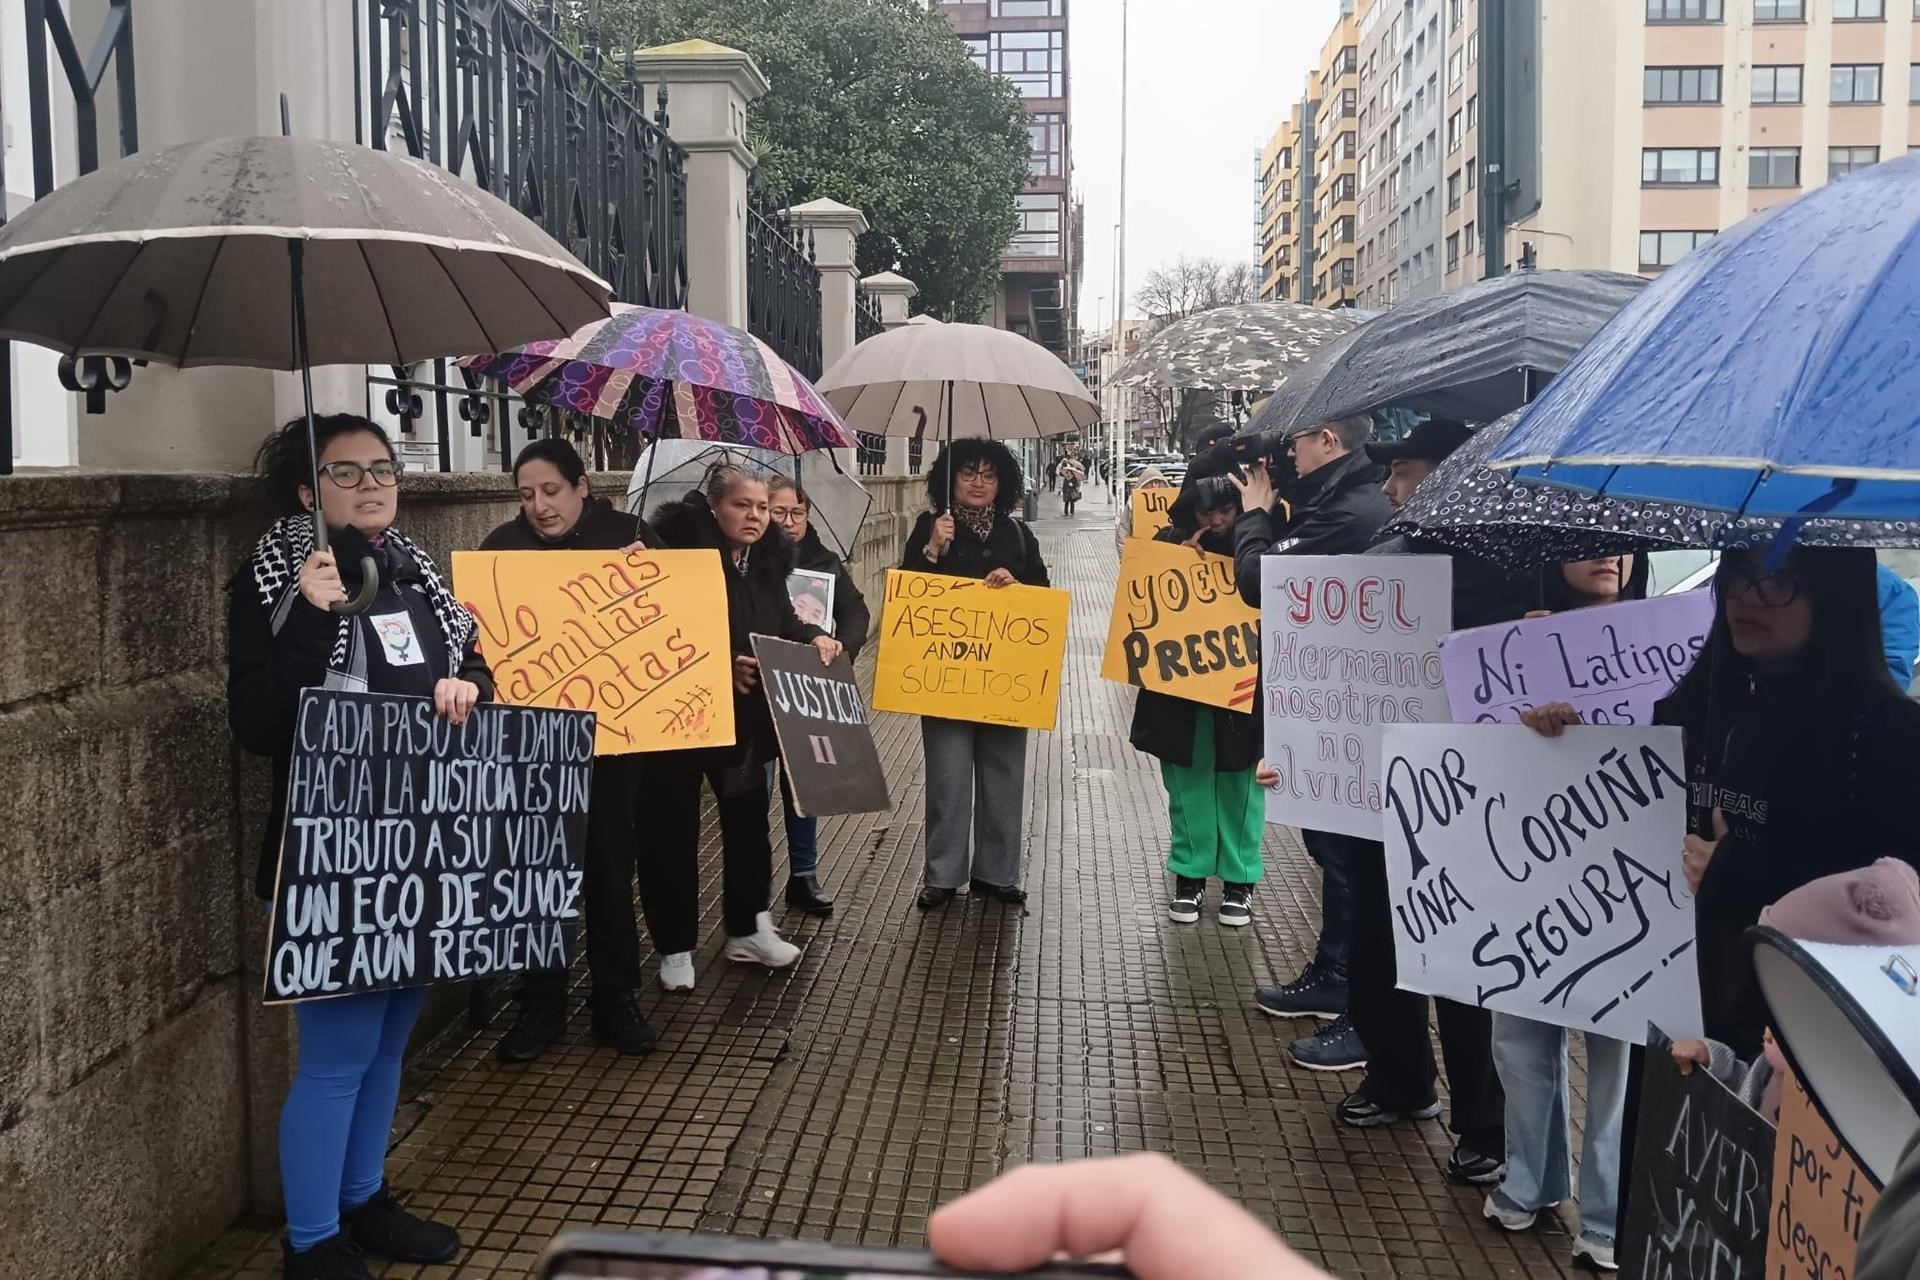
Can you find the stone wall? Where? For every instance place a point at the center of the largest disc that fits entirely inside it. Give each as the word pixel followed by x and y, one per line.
pixel 140 1076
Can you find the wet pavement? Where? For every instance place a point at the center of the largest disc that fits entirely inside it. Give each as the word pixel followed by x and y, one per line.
pixel 908 1057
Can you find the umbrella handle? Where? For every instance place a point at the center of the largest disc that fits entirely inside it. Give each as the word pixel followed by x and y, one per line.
pixel 369 588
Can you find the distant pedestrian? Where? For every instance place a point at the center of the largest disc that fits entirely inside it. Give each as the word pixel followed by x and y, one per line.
pixel 282 639
pixel 558 512
pixel 1207 755
pixel 792 510
pixel 976 773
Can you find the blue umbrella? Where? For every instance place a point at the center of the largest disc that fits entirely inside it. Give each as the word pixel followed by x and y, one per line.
pixel 1773 372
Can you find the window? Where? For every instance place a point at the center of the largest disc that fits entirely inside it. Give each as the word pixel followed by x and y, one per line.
pixel 1345 61
pixel 1773 167
pixel 1473 112
pixel 1039 233
pixel 1343 188
pixel 1454 133
pixel 1686 85
pixel 1859 10
pixel 1456 70
pixel 1680 166
pixel 1664 248
pixel 1856 83
pixel 1844 160
pixel 1473 45
pixel 1779 10
pixel 1047 140
pixel 1470 240
pixel 1683 10
pixel 1470 168
pixel 1453 252
pixel 1455 14
pixel 976 49
pixel 1027 8
pixel 1343 229
pixel 1453 191
pixel 1778 86
pixel 1913 80
pixel 1034 61
pixel 1349 102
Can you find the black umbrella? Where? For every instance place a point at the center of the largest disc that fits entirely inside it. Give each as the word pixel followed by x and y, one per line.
pixel 1472 354
pixel 1468 507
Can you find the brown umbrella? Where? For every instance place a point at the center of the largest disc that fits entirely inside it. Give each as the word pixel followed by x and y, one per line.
pixel 957 380
pixel 281 253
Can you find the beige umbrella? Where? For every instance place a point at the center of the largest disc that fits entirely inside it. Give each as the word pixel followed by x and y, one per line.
pixel 947 380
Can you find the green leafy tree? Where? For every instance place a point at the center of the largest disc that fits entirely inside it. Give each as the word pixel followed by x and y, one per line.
pixel 876 104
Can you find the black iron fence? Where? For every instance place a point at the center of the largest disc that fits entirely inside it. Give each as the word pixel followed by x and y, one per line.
pixel 872 454
pixel 83 76
pixel 511 98
pixel 783 285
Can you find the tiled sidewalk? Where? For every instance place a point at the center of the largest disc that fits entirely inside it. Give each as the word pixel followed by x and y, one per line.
pixel 909 1057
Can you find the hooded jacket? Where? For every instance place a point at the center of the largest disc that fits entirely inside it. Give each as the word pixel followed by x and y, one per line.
pixel 852 620
pixel 757 604
pixel 1335 510
pixel 1163 726
pixel 601 527
pixel 268 669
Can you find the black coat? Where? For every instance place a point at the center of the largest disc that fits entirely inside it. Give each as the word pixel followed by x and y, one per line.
pixel 1483 592
pixel 757 604
pixel 1164 726
pixel 852 621
pixel 1335 511
pixel 1010 545
pixel 601 527
pixel 266 672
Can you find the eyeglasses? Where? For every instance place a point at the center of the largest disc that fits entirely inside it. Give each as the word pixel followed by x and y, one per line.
pixel 348 475
pixel 784 514
pixel 1293 440
pixel 1774 590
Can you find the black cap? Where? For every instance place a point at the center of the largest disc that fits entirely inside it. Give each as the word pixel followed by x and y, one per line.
pixel 1431 441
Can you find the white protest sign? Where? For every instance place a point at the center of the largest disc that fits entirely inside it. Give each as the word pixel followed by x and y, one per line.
pixel 1348 646
pixel 1541 876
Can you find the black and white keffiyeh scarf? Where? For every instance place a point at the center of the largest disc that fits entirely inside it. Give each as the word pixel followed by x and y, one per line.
pixel 275 566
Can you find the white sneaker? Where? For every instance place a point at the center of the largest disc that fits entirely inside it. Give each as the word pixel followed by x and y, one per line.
pixel 1594 1254
pixel 763 946
pixel 1510 1219
pixel 676 971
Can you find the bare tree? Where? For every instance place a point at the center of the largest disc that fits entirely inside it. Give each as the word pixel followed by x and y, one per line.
pixel 1187 287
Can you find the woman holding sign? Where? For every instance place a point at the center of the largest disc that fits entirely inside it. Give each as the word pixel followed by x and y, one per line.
pixel 976 773
pixel 558 512
pixel 282 638
pixel 728 515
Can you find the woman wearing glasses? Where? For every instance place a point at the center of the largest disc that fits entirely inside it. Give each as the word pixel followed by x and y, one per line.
pixel 1799 752
pixel 282 638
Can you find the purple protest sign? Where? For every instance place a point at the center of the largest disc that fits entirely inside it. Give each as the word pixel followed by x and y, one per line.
pixel 1612 662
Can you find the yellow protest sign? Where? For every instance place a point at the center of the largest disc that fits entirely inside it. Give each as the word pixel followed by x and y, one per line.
pixel 1150 508
pixel 1179 627
pixel 639 638
pixel 961 650
pixel 1821 1195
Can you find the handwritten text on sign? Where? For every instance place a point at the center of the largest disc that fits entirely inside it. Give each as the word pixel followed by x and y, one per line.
pixel 1350 645
pixel 417 852
pixel 1179 627
pixel 1150 510
pixel 1612 662
pixel 1541 876
pixel 961 650
pixel 1821 1195
pixel 826 743
pixel 1698 1192
pixel 639 638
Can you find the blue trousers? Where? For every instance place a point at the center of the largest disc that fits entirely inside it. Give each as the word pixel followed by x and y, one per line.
pixel 803 834
pixel 339 1113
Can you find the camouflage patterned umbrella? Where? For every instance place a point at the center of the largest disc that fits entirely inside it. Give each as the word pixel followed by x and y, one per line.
pixel 1248 347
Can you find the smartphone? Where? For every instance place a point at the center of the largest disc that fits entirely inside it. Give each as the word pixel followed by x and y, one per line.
pixel 606 1255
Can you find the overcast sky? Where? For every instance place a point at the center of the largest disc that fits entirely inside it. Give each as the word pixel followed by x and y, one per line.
pixel 1211 80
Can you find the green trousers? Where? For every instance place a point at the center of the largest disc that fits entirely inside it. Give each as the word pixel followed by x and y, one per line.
pixel 1218 818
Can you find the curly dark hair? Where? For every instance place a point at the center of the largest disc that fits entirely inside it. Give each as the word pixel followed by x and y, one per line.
pixel 285 463
pixel 970 451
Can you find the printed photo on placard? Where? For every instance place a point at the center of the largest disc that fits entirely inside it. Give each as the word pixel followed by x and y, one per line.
pixel 812 594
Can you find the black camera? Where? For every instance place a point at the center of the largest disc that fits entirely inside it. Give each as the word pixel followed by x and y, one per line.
pixel 1236 453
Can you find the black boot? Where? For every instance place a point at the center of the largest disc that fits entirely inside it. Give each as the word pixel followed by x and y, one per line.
pixel 804 894
pixel 619 1024
pixel 385 1230
pixel 540 1022
pixel 335 1258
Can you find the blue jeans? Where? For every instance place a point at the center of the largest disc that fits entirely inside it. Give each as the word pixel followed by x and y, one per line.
pixel 339 1113
pixel 803 834
pixel 1532 1061
pixel 1330 851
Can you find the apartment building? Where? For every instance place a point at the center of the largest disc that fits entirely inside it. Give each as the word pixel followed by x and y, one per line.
pixel 1286 168
pixel 1461 261
pixel 1422 59
pixel 1377 261
pixel 1336 165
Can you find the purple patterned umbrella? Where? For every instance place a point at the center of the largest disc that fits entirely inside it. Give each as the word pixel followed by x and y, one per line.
pixel 667 374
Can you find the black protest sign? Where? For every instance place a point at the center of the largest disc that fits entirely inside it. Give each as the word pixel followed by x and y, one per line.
pixel 1701 1187
pixel 418 852
pixel 821 721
